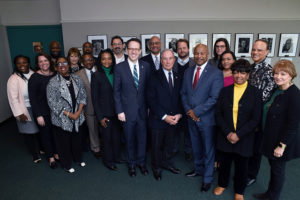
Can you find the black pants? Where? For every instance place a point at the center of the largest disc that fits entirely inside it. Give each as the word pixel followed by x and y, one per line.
pixel 276 178
pixel 68 146
pixel 31 141
pixel 255 160
pixel 162 147
pixel 240 172
pixel 111 141
pixel 47 138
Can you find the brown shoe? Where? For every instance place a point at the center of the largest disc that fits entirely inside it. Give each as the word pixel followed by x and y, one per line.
pixel 238 197
pixel 218 190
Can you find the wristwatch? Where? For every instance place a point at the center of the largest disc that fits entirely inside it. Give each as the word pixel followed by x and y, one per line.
pixel 282 145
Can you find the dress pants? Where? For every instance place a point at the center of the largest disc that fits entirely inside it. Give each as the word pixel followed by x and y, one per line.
pixel 68 146
pixel 93 126
pixel 47 138
pixel 255 160
pixel 111 141
pixel 162 145
pixel 203 145
pixel 276 178
pixel 183 128
pixel 240 171
pixel 31 141
pixel 135 135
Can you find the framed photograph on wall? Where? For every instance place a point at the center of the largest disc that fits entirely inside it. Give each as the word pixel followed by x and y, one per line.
pixel 171 39
pixel 216 36
pixel 99 42
pixel 243 44
pixel 145 42
pixel 288 45
pixel 126 38
pixel 196 38
pixel 271 39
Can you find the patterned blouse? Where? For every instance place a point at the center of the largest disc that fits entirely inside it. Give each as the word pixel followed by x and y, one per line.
pixel 261 77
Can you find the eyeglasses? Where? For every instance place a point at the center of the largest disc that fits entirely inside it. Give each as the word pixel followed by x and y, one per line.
pixel 133 49
pixel 117 44
pixel 220 46
pixel 62 64
pixel 154 43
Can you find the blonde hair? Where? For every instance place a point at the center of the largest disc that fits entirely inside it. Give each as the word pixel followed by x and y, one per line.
pixel 286 66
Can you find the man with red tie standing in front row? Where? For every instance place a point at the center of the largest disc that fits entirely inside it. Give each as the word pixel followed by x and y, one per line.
pixel 200 90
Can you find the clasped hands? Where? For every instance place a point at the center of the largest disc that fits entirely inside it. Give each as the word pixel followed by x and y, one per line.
pixel 172 119
pixel 73 116
pixel 232 138
pixel 192 115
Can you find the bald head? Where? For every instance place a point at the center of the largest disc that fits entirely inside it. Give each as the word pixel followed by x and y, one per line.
pixel 201 54
pixel 155 45
pixel 87 48
pixel 55 49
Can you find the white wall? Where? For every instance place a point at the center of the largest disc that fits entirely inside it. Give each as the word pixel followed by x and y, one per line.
pixel 136 10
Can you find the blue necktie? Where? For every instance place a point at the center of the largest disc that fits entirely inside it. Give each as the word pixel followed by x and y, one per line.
pixel 135 77
pixel 156 63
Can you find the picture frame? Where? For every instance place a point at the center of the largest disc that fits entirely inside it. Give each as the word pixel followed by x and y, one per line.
pixel 99 43
pixel 196 38
pixel 145 42
pixel 126 38
pixel 216 36
pixel 243 44
pixel 288 44
pixel 171 39
pixel 271 40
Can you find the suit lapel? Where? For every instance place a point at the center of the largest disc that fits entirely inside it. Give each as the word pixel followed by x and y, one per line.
pixel 85 79
pixel 164 81
pixel 203 76
pixel 129 73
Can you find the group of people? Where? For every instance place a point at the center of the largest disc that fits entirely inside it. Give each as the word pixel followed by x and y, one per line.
pixel 228 110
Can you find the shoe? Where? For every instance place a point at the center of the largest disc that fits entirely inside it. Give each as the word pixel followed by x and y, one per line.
pixel 192 174
pixel 82 164
pixel 173 170
pixel 71 170
pixel 37 160
pixel 250 181
pixel 262 196
pixel 53 165
pixel 97 154
pixel 238 197
pixel 131 171
pixel 205 187
pixel 144 170
pixel 218 190
pixel 157 175
pixel 111 167
pixel 188 156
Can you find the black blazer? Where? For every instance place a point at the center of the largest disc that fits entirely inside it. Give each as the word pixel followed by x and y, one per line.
pixel 282 125
pixel 249 114
pixel 149 60
pixel 160 99
pixel 102 95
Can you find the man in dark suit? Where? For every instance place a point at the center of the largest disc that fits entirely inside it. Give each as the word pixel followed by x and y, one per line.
pixel 117 46
pixel 153 58
pixel 200 90
pixel 130 84
pixel 165 106
pixel 181 64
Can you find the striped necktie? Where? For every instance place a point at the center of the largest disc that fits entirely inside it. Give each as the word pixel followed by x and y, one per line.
pixel 135 77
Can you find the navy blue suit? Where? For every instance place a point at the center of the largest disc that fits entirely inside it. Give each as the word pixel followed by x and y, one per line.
pixel 162 101
pixel 202 101
pixel 132 102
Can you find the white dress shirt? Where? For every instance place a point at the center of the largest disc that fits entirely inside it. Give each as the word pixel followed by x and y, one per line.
pixel 88 73
pixel 131 65
pixel 118 60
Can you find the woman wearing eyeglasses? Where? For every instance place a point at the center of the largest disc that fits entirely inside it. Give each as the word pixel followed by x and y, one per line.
pixel 66 97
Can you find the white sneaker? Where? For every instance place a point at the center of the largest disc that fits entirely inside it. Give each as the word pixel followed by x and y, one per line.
pixel 71 170
pixel 82 164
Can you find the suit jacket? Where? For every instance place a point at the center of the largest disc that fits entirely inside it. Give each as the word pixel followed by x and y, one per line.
pixel 149 60
pixel 160 99
pixel 102 95
pixel 249 113
pixel 89 108
pixel 128 98
pixel 203 98
pixel 282 125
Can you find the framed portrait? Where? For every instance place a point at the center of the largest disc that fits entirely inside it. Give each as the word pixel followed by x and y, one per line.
pixel 196 38
pixel 99 42
pixel 288 45
pixel 171 39
pixel 145 42
pixel 243 44
pixel 37 47
pixel 126 38
pixel 271 39
pixel 216 36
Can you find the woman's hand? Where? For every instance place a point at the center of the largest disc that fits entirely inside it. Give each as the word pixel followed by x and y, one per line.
pixel 103 122
pixel 278 152
pixel 22 118
pixel 40 120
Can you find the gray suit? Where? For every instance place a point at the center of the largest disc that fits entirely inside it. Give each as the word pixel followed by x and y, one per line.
pixel 91 119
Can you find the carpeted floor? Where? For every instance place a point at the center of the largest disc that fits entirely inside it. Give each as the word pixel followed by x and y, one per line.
pixel 20 178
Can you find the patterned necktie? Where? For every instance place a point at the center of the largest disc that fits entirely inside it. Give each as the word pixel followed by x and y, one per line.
pixel 135 77
pixel 156 63
pixel 196 78
pixel 170 82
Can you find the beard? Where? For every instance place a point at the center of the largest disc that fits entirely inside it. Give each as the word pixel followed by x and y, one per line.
pixel 183 55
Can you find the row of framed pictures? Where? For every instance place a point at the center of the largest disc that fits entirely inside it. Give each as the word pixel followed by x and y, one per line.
pixel 243 42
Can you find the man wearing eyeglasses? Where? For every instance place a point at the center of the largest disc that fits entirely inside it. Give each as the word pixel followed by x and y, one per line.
pixel 153 58
pixel 117 46
pixel 130 83
pixel 92 123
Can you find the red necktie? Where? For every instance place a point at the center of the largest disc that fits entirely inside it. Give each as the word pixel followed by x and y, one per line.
pixel 196 78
